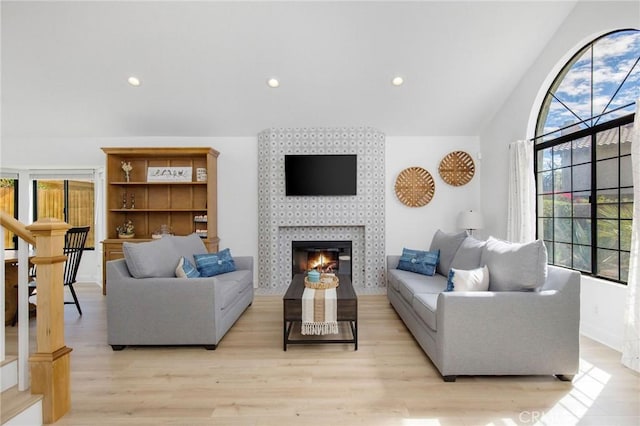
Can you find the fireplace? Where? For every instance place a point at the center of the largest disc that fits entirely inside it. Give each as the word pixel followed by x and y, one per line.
pixel 325 256
pixel 357 218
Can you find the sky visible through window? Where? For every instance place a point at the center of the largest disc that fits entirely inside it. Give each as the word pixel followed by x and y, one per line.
pixel 602 77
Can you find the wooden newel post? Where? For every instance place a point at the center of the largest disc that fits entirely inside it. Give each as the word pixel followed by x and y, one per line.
pixel 50 365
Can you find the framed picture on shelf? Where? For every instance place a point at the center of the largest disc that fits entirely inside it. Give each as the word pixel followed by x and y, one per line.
pixel 169 174
pixel 201 174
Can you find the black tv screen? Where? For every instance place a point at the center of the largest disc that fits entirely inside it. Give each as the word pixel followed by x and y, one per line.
pixel 321 174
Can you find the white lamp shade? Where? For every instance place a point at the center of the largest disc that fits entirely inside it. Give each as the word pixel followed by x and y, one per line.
pixel 470 220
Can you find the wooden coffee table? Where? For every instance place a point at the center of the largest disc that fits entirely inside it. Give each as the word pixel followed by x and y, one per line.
pixel 347 311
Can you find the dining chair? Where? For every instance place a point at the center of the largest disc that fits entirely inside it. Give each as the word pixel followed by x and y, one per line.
pixel 74 242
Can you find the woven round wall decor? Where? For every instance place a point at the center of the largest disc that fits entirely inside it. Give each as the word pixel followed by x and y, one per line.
pixel 457 168
pixel 415 187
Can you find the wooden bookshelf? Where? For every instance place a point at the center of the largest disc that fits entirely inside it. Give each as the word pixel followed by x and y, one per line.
pixel 184 205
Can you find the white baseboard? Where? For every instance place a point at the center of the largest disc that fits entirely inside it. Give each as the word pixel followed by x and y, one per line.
pixel 601 335
pixel 88 279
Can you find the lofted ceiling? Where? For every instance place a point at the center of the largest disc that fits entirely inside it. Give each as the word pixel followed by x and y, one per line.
pixel 204 65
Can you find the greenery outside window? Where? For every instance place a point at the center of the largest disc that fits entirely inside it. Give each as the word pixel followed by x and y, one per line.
pixel 9 204
pixel 583 158
pixel 69 200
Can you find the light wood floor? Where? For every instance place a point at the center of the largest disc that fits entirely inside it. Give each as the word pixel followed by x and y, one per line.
pixel 250 380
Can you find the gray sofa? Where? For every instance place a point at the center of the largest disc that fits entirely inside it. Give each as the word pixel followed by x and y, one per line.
pixel 527 323
pixel 166 310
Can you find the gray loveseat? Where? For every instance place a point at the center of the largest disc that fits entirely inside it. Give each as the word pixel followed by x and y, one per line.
pixel 527 323
pixel 160 309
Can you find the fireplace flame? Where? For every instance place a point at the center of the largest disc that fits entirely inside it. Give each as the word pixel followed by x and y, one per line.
pixel 321 262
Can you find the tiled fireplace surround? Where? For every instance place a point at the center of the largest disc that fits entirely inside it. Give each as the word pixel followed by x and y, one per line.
pixel 359 218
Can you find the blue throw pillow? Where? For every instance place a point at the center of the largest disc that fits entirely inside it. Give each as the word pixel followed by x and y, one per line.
pixel 450 285
pixel 421 262
pixel 185 269
pixel 211 264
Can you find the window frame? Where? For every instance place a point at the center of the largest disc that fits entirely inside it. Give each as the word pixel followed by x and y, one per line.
pixel 600 221
pixel 590 132
pixel 540 133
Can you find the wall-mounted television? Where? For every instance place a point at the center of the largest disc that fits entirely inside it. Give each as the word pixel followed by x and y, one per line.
pixel 320 174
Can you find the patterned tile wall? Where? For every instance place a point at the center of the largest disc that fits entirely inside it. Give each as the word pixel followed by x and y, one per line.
pixel 358 218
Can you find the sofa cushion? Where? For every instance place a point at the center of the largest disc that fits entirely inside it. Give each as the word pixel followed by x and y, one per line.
pixel 153 259
pixel 188 245
pixel 185 269
pixel 447 244
pixel 398 279
pixel 468 254
pixel 231 286
pixel 416 284
pixel 211 264
pixel 515 266
pixel 421 262
pixel 425 306
pixel 395 278
pixel 468 280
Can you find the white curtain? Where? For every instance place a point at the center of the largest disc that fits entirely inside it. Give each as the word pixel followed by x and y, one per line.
pixel 631 343
pixel 521 214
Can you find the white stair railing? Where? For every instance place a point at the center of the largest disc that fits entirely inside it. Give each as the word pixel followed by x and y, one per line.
pixel 22 307
pixel 23 315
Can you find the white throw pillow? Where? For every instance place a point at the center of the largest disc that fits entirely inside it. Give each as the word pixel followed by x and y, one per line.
pixel 472 280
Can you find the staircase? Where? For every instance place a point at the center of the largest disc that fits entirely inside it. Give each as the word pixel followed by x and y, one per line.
pixel 17 408
pixel 45 372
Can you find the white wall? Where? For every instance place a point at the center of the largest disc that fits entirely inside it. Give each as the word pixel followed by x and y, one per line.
pixel 602 311
pixel 414 227
pixel 516 120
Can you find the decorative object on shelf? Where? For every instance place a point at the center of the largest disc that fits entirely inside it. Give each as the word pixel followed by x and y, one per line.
pixel 415 187
pixel 202 233
pixel 161 232
pixel 201 174
pixel 321 281
pixel 457 168
pixel 126 230
pixel 126 167
pixel 202 218
pixel 169 174
pixel 133 201
pixel 470 220
pixel 124 200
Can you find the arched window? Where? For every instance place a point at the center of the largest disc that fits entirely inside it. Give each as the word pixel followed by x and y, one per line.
pixel 583 158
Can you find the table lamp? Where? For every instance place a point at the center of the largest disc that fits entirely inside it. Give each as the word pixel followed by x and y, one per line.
pixel 470 220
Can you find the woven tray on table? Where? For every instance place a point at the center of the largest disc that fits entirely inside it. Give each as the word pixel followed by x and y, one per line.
pixel 326 281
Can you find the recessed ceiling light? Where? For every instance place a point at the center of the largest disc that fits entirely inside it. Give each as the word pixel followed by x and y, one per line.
pixel 134 81
pixel 273 83
pixel 397 81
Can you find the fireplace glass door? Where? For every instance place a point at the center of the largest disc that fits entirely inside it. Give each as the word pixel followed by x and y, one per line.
pixel 323 256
